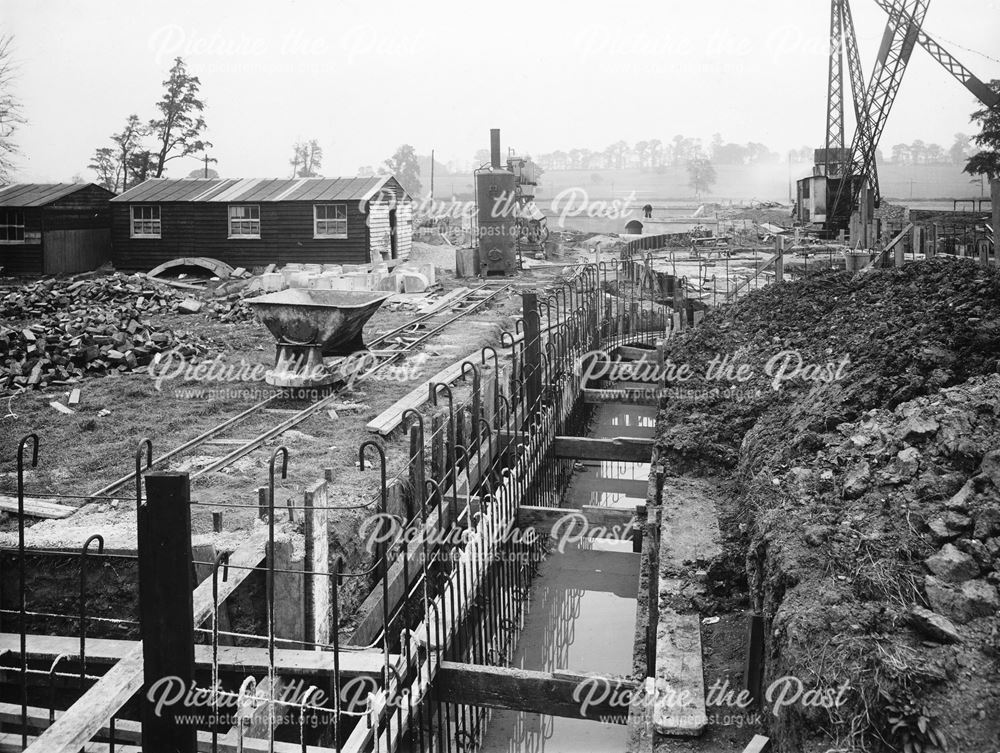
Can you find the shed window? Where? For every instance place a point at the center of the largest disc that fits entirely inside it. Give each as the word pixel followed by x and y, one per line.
pixel 145 221
pixel 330 220
pixel 11 226
pixel 244 221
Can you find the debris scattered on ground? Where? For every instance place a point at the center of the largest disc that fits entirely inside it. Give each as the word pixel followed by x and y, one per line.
pixel 60 330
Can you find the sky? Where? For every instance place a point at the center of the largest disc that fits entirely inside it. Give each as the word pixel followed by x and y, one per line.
pixel 363 77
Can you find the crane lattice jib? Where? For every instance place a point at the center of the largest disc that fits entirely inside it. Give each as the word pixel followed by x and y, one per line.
pixel 981 91
pixel 835 94
pixel 854 67
pixel 898 42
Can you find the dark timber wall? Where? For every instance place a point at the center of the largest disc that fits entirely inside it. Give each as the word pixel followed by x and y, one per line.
pixel 74 235
pixel 202 229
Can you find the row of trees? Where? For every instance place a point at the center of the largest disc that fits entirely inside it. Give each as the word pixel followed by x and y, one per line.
pixel 142 149
pixel 654 154
pixel 920 153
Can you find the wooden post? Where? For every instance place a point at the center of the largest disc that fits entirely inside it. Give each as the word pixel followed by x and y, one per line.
pixel 779 259
pixel 753 665
pixel 532 349
pixel 317 570
pixel 932 246
pixel 417 479
pixel 438 462
pixel 995 193
pixel 918 245
pixel 166 613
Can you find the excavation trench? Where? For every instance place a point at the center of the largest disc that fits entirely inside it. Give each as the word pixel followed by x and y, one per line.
pixel 484 639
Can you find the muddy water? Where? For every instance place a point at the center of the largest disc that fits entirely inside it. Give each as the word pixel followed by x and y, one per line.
pixel 611 483
pixel 581 612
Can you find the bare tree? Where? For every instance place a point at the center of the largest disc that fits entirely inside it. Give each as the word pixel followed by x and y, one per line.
pixel 10 107
pixel 178 130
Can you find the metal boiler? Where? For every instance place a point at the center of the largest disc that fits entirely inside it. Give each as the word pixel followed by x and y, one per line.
pixel 496 211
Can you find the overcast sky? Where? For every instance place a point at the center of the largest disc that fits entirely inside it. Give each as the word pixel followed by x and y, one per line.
pixel 363 77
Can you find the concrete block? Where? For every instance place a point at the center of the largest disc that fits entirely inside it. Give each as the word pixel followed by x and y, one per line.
pixel 424 268
pixel 302 279
pixel 466 262
pixel 376 277
pixel 190 306
pixel 392 282
pixel 340 282
pixel 313 268
pixel 414 282
pixel 323 282
pixel 358 281
pixel 272 282
pixel 333 269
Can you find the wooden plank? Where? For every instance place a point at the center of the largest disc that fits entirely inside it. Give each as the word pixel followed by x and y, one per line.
pixel 646 371
pixel 877 258
pixel 128 731
pixel 679 668
pixel 106 697
pixel 104 651
pixel 629 449
pixel 37 507
pixel 392 417
pixel 532 691
pixel 759 744
pixel 607 521
pixel 640 726
pixel 633 353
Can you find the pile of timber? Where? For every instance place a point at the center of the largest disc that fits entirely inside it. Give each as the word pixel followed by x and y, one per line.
pixel 56 332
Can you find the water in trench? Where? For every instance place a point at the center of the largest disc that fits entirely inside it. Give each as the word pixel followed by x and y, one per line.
pixel 582 608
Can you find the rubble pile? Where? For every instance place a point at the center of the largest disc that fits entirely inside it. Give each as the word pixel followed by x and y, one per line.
pixel 57 331
pixel 233 308
pixel 868 514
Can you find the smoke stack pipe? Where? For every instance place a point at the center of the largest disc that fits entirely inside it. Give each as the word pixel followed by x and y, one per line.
pixel 495 148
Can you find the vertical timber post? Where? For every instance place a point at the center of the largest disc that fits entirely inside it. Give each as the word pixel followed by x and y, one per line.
pixel 532 349
pixel 166 613
pixel 995 194
pixel 779 258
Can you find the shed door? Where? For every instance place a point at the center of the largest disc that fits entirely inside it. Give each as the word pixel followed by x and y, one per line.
pixel 71 251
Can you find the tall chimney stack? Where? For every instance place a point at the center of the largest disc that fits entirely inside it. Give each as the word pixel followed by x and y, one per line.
pixel 495 148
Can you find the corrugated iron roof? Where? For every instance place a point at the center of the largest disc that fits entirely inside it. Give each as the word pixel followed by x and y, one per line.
pixel 257 190
pixel 36 194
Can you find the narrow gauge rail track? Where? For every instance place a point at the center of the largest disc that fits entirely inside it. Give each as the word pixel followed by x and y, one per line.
pixel 406 338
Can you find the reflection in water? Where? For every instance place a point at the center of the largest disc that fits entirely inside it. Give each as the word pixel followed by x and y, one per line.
pixel 615 420
pixel 581 609
pixel 581 617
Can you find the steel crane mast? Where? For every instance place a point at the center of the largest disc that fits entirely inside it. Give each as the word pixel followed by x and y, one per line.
pixel 873 101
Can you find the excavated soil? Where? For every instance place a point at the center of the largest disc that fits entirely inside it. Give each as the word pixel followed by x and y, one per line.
pixel 867 516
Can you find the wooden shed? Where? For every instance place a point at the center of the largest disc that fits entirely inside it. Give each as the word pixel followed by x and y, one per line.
pixel 256 222
pixel 54 228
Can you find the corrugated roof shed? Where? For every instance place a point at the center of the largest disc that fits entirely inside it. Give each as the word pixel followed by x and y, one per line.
pixel 36 194
pixel 257 190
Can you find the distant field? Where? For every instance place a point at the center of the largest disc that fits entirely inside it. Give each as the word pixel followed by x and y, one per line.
pixel 735 183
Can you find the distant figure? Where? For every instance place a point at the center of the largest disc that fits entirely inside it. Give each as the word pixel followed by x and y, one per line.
pixel 647 211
